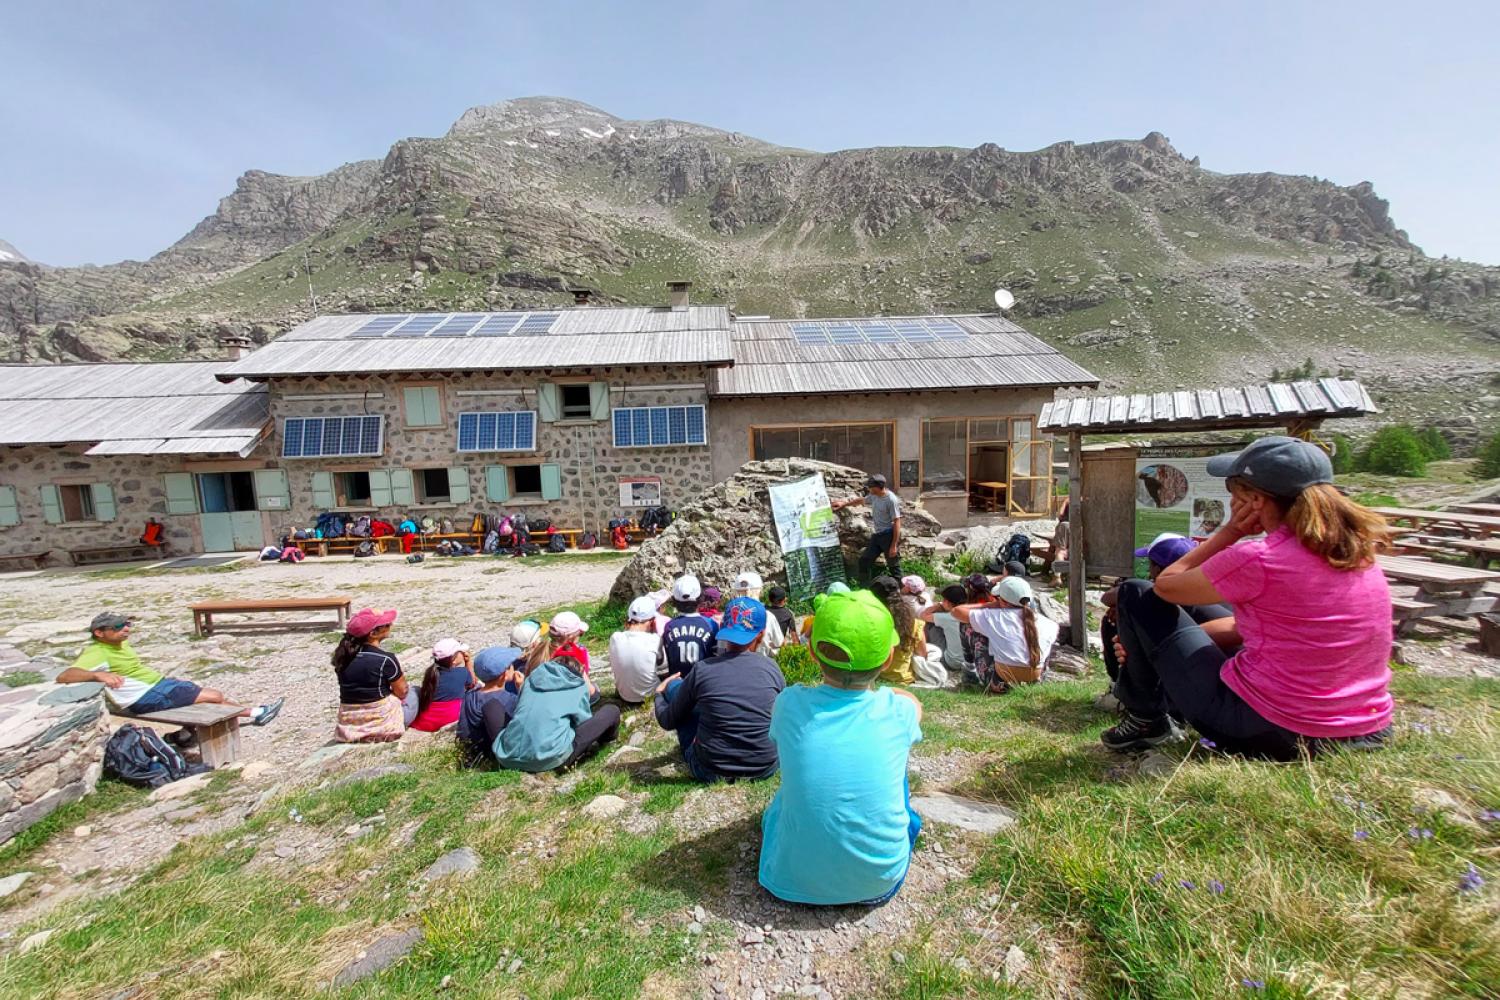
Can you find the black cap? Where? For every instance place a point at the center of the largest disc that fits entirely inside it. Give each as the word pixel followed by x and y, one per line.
pixel 1279 465
pixel 876 479
pixel 108 620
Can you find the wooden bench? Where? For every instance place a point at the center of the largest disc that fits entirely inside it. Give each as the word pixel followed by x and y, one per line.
pixel 21 560
pixel 128 552
pixel 1443 590
pixel 204 611
pixel 217 728
pixel 1482 551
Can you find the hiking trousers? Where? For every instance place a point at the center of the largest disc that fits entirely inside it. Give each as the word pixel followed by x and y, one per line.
pixel 598 729
pixel 879 548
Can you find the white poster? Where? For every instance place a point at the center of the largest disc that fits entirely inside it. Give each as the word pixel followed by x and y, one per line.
pixel 1178 495
pixel 640 491
pixel 808 534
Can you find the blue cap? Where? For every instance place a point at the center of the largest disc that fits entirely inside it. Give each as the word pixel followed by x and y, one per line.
pixel 1166 548
pixel 1279 465
pixel 491 662
pixel 744 619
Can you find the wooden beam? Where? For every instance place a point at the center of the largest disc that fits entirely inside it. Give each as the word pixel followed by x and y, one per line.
pixel 1077 619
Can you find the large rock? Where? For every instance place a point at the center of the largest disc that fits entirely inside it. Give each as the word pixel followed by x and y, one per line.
pixel 729 529
pixel 51 748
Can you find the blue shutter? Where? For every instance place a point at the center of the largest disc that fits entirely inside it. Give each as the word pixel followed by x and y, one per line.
pixel 403 490
pixel 497 483
pixel 322 490
pixel 380 487
pixel 10 510
pixel 458 484
pixel 182 498
pixel 104 501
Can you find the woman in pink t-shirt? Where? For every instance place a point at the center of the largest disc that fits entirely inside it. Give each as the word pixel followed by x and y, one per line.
pixel 1304 662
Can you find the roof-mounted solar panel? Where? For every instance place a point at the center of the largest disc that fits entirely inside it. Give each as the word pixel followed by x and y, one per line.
pixel 420 325
pixel 946 329
pixel 379 326
pixel 810 333
pixel 458 325
pixel 845 333
pixel 497 324
pixel 535 323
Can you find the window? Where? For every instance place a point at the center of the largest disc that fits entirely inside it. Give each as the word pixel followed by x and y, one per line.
pixel 945 455
pixel 657 426
pixel 432 485
pixel 869 447
pixel 351 489
pixel 314 437
pixel 423 405
pixel 526 481
pixel 77 502
pixel 577 401
pixel 497 431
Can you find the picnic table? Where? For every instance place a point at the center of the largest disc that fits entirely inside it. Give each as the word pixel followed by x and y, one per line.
pixel 1471 525
pixel 204 611
pixel 1442 590
pixel 1482 551
pixel 1477 508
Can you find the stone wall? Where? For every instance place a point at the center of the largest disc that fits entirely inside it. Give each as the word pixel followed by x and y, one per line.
pixel 590 464
pixel 51 749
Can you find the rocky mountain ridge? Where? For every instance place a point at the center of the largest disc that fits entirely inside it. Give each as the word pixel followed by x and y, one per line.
pixel 1120 252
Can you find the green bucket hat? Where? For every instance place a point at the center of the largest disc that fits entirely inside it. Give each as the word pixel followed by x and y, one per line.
pixel 859 625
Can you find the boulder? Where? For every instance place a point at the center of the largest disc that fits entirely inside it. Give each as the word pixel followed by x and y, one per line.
pixel 729 528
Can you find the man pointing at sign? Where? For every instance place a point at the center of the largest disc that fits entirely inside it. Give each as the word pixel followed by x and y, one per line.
pixel 885 510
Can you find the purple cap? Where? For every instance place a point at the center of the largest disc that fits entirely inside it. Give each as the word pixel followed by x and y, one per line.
pixel 1166 548
pixel 744 619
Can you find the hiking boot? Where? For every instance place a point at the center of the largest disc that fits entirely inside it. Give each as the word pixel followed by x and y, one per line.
pixel 263 714
pixel 1136 733
pixel 182 738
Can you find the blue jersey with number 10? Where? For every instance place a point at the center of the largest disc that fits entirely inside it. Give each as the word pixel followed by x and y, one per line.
pixel 687 640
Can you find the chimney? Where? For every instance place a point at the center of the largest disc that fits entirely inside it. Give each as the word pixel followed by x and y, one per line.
pixel 234 345
pixel 677 293
pixel 581 296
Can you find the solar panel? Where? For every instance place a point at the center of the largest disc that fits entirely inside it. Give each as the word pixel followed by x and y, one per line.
pixel 458 325
pixel 536 323
pixel 381 325
pixel 845 333
pixel 291 438
pixel 946 329
pixel 809 333
pixel 877 331
pixel 498 324
pixel 497 431
pixel 420 325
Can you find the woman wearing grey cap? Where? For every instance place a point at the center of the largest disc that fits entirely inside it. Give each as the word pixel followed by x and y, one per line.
pixel 1303 663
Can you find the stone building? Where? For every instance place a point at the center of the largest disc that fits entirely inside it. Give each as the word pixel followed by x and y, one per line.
pixel 578 415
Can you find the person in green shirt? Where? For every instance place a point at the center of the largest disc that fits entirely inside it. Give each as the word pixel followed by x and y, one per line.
pixel 134 688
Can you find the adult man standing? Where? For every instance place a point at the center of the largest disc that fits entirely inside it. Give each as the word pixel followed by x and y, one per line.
pixel 885 512
pixel 134 688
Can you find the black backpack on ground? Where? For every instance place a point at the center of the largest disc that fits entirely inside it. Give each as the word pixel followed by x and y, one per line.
pixel 364 549
pixel 415 557
pixel 137 756
pixel 1017 548
pixel 557 543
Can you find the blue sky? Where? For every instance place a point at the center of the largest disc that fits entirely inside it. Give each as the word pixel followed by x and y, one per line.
pixel 124 123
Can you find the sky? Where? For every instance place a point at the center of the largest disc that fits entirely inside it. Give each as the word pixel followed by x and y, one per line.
pixel 124 123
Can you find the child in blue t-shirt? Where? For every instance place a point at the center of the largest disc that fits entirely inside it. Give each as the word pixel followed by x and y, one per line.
pixel 841 829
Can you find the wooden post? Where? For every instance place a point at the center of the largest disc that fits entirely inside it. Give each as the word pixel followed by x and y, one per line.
pixel 1077 618
pixel 219 744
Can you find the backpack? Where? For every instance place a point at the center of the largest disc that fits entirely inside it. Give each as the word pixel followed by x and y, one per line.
pixel 364 549
pixel 337 528
pixel 407 527
pixel 557 543
pixel 428 525
pixel 1018 548
pixel 491 543
pixel 381 529
pixel 270 554
pixel 138 756
pixel 527 549
pixel 292 554
pixel 362 527
pixel 618 538
pixel 541 524
pixel 588 540
pixel 479 525
pixel 446 526
pixel 415 557
pixel 504 528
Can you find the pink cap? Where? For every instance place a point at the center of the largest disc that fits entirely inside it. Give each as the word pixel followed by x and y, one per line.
pixel 445 648
pixel 367 620
pixel 913 584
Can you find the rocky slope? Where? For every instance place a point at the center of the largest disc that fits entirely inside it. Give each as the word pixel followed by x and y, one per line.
pixel 1123 252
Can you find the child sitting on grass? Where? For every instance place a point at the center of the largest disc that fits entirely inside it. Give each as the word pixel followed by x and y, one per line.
pixel 551 726
pixel 450 674
pixel 502 683
pixel 841 829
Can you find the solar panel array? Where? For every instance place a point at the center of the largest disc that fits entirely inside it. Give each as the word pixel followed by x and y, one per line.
pixel 515 431
pixel 878 331
pixel 317 437
pixel 656 426
pixel 501 324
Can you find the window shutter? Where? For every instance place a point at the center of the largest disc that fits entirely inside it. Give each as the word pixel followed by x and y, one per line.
pixel 422 406
pixel 458 484
pixel 271 492
pixel 51 504
pixel 403 492
pixel 551 482
pixel 380 487
pixel 497 483
pixel 322 490
pixel 548 401
pixel 104 501
pixel 599 400
pixel 10 511
pixel 181 497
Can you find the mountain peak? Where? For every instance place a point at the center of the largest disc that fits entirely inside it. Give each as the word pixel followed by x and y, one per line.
pixel 10 255
pixel 530 112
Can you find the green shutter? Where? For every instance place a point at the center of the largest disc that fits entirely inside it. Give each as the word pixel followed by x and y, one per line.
pixel 458 484
pixel 104 501
pixel 422 406
pixel 322 490
pixel 403 492
pixel 548 401
pixel 497 483
pixel 181 497
pixel 380 487
pixel 598 400
pixel 51 504
pixel 551 482
pixel 10 511
pixel 271 492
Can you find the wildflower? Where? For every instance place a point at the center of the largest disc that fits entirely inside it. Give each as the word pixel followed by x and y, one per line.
pixel 1207 743
pixel 1253 984
pixel 1470 881
pixel 1216 887
pixel 1187 884
pixel 1422 834
pixel 1361 834
pixel 1158 877
pixel 1490 816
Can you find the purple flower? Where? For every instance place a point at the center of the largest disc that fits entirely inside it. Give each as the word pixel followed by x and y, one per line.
pixel 1253 984
pixel 1422 834
pixel 1158 877
pixel 1470 881
pixel 1490 816
pixel 1361 834
pixel 1187 884
pixel 1207 743
pixel 1216 887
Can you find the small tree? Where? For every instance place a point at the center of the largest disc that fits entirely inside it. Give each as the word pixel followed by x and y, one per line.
pixel 1343 454
pixel 1488 466
pixel 1395 451
pixel 1434 445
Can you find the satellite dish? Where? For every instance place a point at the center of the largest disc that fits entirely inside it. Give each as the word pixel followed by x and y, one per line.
pixel 1004 299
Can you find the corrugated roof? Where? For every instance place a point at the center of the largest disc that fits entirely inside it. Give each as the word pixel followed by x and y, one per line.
pixel 769 360
pixel 579 338
pixel 131 409
pixel 1206 409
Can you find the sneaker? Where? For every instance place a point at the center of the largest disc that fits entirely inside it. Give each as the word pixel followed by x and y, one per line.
pixel 263 714
pixel 1136 733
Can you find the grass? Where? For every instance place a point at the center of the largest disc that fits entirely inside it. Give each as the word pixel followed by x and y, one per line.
pixel 21 678
pixel 109 797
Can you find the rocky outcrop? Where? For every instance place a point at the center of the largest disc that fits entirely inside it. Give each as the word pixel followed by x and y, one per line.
pixel 729 529
pixel 51 749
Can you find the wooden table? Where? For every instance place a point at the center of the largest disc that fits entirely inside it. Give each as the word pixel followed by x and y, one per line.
pixel 995 500
pixel 204 611
pixel 216 726
pixel 1471 525
pixel 1477 508
pixel 1443 590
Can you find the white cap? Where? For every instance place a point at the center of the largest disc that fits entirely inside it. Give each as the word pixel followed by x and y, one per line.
pixel 444 648
pixel 1012 590
pixel 568 624
pixel 748 580
pixel 687 588
pixel 642 609
pixel 524 634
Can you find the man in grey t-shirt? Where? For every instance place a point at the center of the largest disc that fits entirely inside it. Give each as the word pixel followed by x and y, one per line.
pixel 885 511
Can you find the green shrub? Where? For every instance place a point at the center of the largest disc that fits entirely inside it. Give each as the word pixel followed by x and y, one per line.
pixel 797 665
pixel 1395 451
pixel 933 574
pixel 1434 445
pixel 1488 466
pixel 964 563
pixel 1343 457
